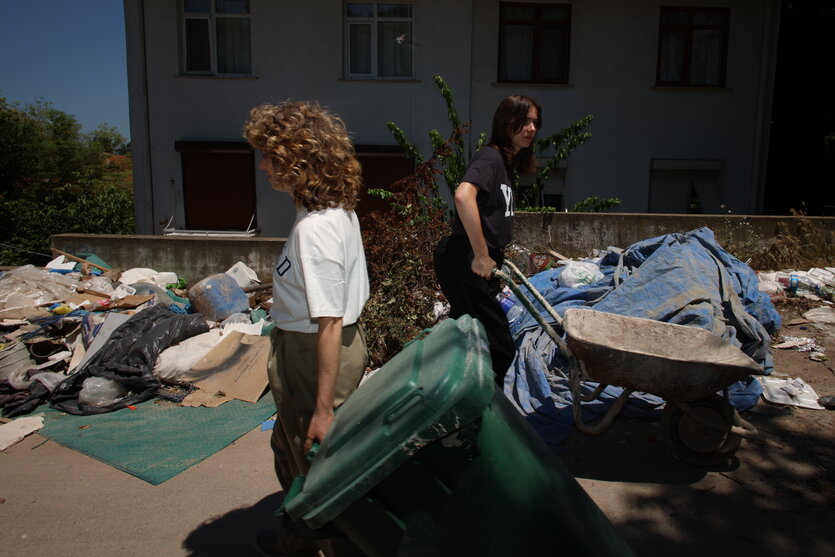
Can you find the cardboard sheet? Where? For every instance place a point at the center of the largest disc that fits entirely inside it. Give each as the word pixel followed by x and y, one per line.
pixel 16 430
pixel 235 368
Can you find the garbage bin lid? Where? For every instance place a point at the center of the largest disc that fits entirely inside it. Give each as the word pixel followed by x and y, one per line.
pixel 435 385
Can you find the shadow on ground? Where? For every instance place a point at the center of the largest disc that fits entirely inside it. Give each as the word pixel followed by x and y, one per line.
pixel 775 499
pixel 234 532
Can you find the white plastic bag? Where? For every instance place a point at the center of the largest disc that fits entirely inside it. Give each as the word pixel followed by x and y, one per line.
pixel 100 391
pixel 579 273
pixel 178 359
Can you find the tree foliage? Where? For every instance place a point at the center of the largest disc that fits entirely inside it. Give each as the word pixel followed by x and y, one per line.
pixel 452 157
pixel 54 179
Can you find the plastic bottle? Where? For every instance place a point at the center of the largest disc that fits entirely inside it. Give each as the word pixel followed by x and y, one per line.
pixel 515 313
pixel 799 283
pixel 505 298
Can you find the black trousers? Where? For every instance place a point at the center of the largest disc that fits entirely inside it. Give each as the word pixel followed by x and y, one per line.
pixel 468 293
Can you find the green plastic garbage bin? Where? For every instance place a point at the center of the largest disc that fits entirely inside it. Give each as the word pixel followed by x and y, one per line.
pixel 428 457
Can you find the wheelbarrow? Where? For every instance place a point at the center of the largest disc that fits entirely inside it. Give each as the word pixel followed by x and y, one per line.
pixel 686 366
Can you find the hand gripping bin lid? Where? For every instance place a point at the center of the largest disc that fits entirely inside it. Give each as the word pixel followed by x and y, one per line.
pixel 431 388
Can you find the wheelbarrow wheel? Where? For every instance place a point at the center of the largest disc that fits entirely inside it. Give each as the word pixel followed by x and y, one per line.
pixel 700 432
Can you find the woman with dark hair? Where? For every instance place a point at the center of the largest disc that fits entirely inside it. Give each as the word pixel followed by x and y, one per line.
pixel 483 225
pixel 320 286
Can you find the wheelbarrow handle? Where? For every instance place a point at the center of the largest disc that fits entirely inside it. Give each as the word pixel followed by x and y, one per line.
pixel 532 310
pixel 539 298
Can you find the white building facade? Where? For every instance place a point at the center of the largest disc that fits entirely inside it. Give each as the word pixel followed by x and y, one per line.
pixel 680 94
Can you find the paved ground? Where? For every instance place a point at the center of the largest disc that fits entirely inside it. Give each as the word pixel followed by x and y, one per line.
pixel 61 502
pixel 775 500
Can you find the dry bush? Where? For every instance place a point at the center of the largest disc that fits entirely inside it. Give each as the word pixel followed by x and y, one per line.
pixel 399 241
pixel 803 246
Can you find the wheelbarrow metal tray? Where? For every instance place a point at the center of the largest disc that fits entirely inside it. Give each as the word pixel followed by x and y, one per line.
pixel 675 362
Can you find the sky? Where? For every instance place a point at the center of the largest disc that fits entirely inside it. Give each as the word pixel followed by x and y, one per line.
pixel 69 53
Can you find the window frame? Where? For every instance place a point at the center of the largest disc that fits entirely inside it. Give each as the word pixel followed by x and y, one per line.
pixel 537 24
pixel 211 18
pixel 687 53
pixel 373 22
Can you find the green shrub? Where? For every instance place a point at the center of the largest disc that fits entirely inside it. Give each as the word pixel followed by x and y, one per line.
pixel 54 179
pixel 89 208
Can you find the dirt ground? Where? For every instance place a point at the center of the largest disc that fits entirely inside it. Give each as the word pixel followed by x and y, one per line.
pixel 777 496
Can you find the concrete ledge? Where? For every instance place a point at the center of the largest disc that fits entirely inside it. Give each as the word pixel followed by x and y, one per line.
pixel 746 236
pixel 570 234
pixel 193 258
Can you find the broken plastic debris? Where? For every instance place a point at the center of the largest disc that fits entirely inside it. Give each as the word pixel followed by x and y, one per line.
pixel 800 344
pixel 822 314
pixel 792 392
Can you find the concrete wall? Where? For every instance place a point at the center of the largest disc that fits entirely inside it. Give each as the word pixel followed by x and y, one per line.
pixel 569 234
pixel 576 234
pixel 193 258
pixel 297 52
pixel 612 77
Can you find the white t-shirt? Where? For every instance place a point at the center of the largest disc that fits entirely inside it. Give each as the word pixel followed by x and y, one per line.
pixel 321 271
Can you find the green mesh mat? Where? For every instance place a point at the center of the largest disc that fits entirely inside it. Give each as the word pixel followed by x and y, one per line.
pixel 159 439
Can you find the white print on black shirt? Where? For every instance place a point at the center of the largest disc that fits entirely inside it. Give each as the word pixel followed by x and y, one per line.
pixel 283 267
pixel 508 200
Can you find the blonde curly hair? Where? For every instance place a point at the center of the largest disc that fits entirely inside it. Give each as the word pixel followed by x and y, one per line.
pixel 310 151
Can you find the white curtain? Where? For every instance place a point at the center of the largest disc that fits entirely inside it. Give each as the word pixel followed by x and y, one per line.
pixel 233 51
pixel 394 49
pixel 360 48
pixel 672 52
pixel 517 50
pixel 706 65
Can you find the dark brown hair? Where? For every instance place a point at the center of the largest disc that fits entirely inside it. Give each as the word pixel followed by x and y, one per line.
pixel 510 117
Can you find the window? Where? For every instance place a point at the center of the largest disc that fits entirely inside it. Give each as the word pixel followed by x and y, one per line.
pixel 692 46
pixel 218 185
pixel 685 186
pixel 378 40
pixel 534 42
pixel 216 37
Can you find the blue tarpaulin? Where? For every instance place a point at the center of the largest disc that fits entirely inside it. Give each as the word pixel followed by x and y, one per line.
pixel 686 279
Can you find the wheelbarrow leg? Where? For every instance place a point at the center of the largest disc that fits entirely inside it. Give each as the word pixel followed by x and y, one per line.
pixel 577 398
pixel 574 369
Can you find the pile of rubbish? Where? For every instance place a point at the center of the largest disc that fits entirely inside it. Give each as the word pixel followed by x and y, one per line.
pixel 87 339
pixel 684 279
pixel 815 284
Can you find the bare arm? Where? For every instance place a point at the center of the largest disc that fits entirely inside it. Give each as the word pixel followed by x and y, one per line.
pixel 467 207
pixel 328 349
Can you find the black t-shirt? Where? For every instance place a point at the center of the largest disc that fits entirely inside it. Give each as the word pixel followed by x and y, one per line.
pixel 495 201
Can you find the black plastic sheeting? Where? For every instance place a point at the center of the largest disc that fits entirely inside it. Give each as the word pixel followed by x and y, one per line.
pixel 128 357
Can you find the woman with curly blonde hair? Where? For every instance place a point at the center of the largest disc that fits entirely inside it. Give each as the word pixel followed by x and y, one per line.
pixel 320 286
pixel 309 153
